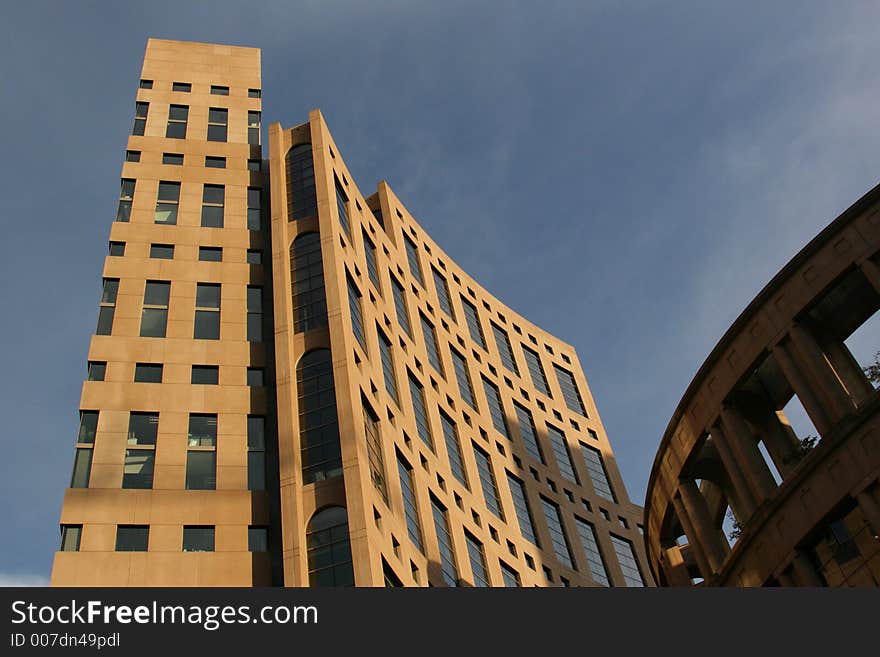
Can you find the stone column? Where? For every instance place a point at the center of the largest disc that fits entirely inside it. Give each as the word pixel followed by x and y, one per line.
pixel 674 567
pixel 848 371
pixel 745 502
pixel 693 542
pixel 819 373
pixel 706 532
pixel 773 427
pixel 812 403
pixel 745 449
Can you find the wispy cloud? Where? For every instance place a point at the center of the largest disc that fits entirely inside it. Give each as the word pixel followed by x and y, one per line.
pixel 23 579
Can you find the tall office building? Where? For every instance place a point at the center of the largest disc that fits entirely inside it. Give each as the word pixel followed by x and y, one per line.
pixel 292 384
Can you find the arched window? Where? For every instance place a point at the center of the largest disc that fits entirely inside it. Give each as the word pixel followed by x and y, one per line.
pixel 307 282
pixel 301 172
pixel 329 549
pixel 318 424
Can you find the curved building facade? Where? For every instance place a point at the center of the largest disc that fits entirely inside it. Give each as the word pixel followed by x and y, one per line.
pixel 291 384
pixel 805 510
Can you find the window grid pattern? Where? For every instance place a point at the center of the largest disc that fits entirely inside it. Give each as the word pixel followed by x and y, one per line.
pixel 560 451
pixel 387 357
pixel 410 508
pixel 627 560
pixel 218 122
pixel 177 119
pixel 372 268
pixel 301 189
pixel 213 202
pixel 431 346
pixel 557 535
pixel 206 324
pixel 126 198
pixel 341 208
pixel 570 392
pixel 511 577
pixel 256 444
pixel 487 482
pixel 420 412
pixel 354 307
pixel 478 560
pixel 528 432
pixel 138 468
pixel 167 203
pixel 107 308
pixel 374 451
pixel 496 410
pixel 504 349
pixel 596 469
pixel 321 455
pixel 536 370
pixel 472 318
pixel 591 549
pixel 453 449
pixel 444 542
pixel 154 314
pixel 329 549
pixel 309 298
pixel 465 389
pixel 254 209
pixel 412 255
pixel 254 313
pixel 140 118
pixel 400 306
pixel 443 293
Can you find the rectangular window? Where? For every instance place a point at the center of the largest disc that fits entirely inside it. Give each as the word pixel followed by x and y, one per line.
pixel 431 345
pixel 214 162
pixel 487 481
pixel 117 248
pixel 154 315
pixel 591 549
pixel 443 293
pixel 202 430
pixel 496 410
pixel 205 375
pixel 218 90
pixel 511 577
pixel 254 128
pixel 254 165
pixel 198 538
pixel 528 432
pixel 213 200
pixel 254 257
pixel 184 87
pixel 478 560
pixel 570 391
pixel 132 156
pixel 138 469
pixel 400 306
pixel 258 539
pixel 143 428
pixel 140 118
pixel 557 533
pixel 410 508
pixel 82 467
pixel 108 306
pixel 354 307
pixel 388 366
pixel 253 93
pixel 88 427
pixel 254 222
pixel 172 158
pixel 177 118
pixel 218 120
pixel 465 388
pixel 256 443
pixel 473 321
pixel 374 450
pixel 372 269
pixel 148 373
pixel 256 377
pixel 412 255
pixel 560 451
pixel 504 349
pixel 536 370
pixel 206 325
pixel 627 560
pixel 97 370
pixel 444 541
pixel 70 536
pixel 167 203
pixel 522 508
pixel 162 251
pixel 598 475
pixel 254 313
pixel 453 448
pixel 146 84
pixel 201 470
pixel 132 538
pixel 341 207
pixel 126 198
pixel 211 253
pixel 420 411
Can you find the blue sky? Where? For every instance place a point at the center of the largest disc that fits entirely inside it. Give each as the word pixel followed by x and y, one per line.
pixel 635 171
